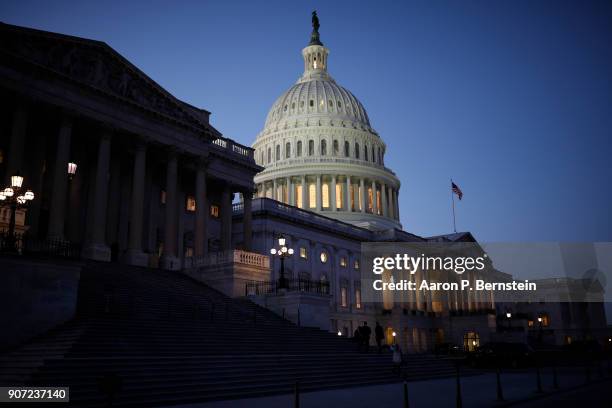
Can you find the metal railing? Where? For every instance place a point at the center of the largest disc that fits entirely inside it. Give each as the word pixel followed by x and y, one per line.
pixel 291 285
pixel 24 244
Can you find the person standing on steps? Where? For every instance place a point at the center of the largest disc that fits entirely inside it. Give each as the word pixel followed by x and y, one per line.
pixel 366 332
pixel 396 358
pixel 379 335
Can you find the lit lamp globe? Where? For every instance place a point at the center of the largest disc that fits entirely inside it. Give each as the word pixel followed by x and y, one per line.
pixel 273 251
pixel 8 192
pixel 21 199
pixel 29 195
pixel 508 315
pixel 339 333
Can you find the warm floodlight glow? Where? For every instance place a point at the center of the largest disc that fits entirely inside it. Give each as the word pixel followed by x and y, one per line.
pixel 394 334
pixel 540 319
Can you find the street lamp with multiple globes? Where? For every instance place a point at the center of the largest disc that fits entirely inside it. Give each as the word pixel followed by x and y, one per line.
pixel 282 252
pixel 14 196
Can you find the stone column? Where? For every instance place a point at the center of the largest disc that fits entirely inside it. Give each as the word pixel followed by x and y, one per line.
pixel 319 198
pixel 60 181
pixel 169 256
pixel 396 202
pixel 364 195
pixel 391 206
pixel 226 219
pixel 304 193
pixel 96 247
pixel 274 190
pixel 14 157
pixel 134 254
pixel 114 201
pixel 374 201
pixel 247 221
pixel 383 193
pixel 333 193
pixel 288 187
pixel 348 193
pixel 201 213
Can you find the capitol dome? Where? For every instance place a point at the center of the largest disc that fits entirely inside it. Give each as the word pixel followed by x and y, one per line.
pixel 320 152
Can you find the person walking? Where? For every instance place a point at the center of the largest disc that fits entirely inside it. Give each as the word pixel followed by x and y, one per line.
pixel 366 332
pixel 379 335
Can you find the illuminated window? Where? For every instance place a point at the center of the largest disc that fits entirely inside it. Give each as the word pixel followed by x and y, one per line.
pixel 352 196
pixel 343 261
pixel 325 195
pixel 378 202
pixel 188 252
pixel 343 297
pixel 162 197
pixel 214 211
pixel 323 257
pixel 191 203
pixel 339 196
pixel 356 264
pixel 471 340
pixel 298 196
pixel 312 196
pixel 370 200
pixel 545 320
pixel 358 298
pixel 529 323
pixel 303 253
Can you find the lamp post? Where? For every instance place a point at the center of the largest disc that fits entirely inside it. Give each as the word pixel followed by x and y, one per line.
pixel 14 196
pixel 509 317
pixel 540 329
pixel 282 252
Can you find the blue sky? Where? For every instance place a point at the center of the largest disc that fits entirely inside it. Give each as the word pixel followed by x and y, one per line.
pixel 513 100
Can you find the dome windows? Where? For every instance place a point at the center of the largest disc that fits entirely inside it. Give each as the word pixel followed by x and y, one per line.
pixel 311 147
pixel 285 108
pixel 277 156
pixel 347 148
pixel 299 149
pixel 339 105
pixel 312 103
pixel 287 150
pixel 356 150
pixel 292 105
pixel 323 147
pixel 336 148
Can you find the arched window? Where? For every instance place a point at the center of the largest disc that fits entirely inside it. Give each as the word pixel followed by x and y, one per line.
pixel 287 150
pixel 373 157
pixel 347 148
pixel 312 103
pixel 356 150
pixel 311 147
pixel 292 105
pixel 323 147
pixel 299 149
pixel 336 148
pixel 365 153
pixel 269 154
pixel 277 156
pixel 312 196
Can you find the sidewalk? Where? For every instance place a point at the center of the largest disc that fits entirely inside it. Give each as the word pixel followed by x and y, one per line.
pixel 477 391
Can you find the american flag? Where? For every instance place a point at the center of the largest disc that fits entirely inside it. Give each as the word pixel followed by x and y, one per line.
pixel 456 190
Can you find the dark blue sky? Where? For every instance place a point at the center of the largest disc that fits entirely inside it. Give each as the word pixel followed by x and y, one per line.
pixel 511 99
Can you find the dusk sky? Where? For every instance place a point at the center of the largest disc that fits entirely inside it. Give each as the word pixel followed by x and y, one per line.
pixel 513 100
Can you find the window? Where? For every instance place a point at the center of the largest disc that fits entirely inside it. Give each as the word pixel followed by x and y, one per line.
pixel 191 204
pixel 312 103
pixel 312 196
pixel 162 197
pixel 287 150
pixel 311 147
pixel 277 156
pixel 336 148
pixel 343 261
pixel 378 202
pixel 356 151
pixel 269 155
pixel 357 298
pixel 373 157
pixel 298 196
pixel 299 149
pixel 285 108
pixel 323 147
pixel 214 211
pixel 365 153
pixel 188 252
pixel 339 196
pixel 545 320
pixel 323 257
pixel 471 340
pixel 356 264
pixel 343 297
pixel 339 104
pixel 293 105
pixel 325 195
pixel 303 253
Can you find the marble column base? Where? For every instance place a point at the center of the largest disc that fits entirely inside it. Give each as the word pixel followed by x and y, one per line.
pixel 96 252
pixel 136 257
pixel 170 263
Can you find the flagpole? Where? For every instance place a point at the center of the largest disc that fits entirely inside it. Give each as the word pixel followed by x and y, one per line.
pixel 453 201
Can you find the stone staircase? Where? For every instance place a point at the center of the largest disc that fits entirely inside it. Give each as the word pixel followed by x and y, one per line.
pixel 173 340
